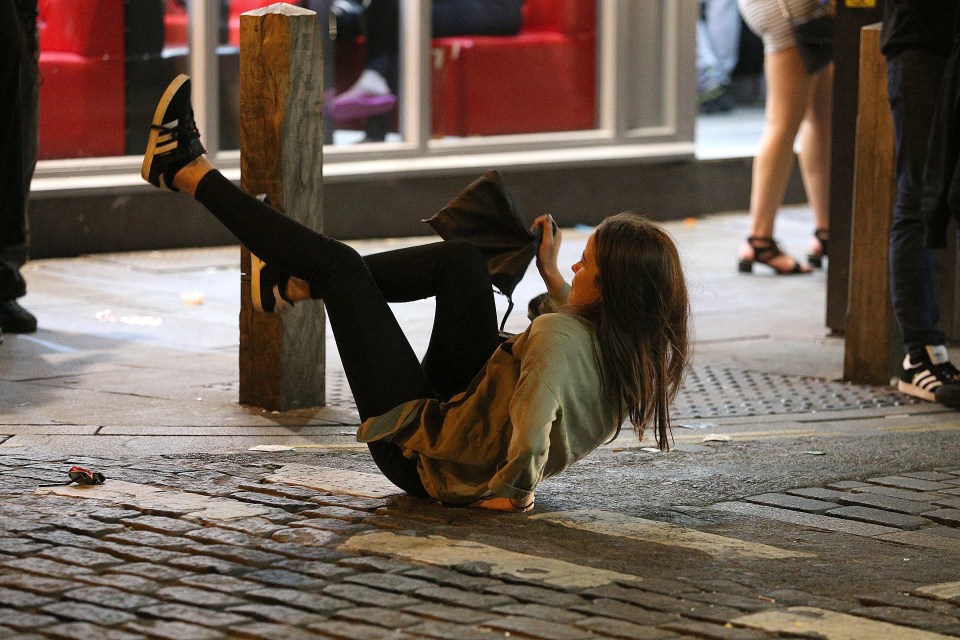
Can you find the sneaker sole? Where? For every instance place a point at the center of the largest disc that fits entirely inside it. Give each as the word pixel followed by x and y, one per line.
pixel 172 89
pixel 915 391
pixel 256 265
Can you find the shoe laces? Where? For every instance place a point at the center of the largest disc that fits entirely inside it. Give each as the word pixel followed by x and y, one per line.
pixel 185 129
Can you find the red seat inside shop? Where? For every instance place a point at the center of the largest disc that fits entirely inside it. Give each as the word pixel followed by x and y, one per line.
pixel 542 79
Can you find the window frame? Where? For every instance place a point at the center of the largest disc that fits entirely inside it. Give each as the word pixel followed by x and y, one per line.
pixel 613 140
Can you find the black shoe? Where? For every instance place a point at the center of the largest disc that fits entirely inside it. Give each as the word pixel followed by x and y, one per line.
pixel 266 284
pixel 818 248
pixel 16 319
pixel 716 101
pixel 929 375
pixel 12 284
pixel 174 139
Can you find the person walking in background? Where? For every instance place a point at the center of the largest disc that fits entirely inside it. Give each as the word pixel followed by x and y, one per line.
pixel 718 46
pixel 797 101
pixel 916 39
pixel 19 100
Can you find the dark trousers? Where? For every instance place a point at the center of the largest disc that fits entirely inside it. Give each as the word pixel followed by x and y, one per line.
pixel 380 365
pixel 914 79
pixel 19 99
pixel 450 18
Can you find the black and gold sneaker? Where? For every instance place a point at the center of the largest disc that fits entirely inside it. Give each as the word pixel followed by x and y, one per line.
pixel 174 139
pixel 266 287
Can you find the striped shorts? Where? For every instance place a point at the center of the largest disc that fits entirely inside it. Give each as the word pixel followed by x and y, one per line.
pixel 765 18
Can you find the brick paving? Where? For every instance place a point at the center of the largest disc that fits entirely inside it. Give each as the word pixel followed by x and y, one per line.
pixel 87 568
pixel 910 502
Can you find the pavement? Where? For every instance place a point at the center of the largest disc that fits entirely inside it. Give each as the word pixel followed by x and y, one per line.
pixel 792 504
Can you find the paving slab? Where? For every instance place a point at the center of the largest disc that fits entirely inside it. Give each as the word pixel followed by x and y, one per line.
pixel 366 485
pixel 879 516
pixel 903 494
pixel 618 525
pixel 949 503
pixel 886 503
pixel 818 493
pixel 793 502
pixel 830 625
pixel 904 482
pixel 923 538
pixel 943 591
pixel 949 517
pixel 802 519
pixel 445 552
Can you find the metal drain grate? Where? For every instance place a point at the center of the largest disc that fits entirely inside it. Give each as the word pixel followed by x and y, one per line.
pixel 723 392
pixel 720 392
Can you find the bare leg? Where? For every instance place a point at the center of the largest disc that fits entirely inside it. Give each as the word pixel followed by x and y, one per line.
pixel 788 90
pixel 190 175
pixel 297 290
pixel 815 151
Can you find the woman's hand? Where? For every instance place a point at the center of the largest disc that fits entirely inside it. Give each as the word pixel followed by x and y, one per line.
pixel 547 253
pixel 512 505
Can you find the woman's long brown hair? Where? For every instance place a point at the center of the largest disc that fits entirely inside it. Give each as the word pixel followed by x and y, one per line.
pixel 640 321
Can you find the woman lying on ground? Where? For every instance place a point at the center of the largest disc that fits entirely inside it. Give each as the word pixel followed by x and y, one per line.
pixel 478 422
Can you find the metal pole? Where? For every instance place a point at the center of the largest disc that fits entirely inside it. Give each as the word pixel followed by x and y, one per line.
pixel 205 69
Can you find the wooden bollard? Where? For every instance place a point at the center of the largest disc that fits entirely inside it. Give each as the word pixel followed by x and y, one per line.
pixel 872 350
pixel 282 357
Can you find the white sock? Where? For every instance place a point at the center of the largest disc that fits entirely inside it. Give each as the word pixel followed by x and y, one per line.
pixel 938 353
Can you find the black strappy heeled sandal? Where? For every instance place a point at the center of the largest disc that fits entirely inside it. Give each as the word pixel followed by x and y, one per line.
pixel 816 256
pixel 765 251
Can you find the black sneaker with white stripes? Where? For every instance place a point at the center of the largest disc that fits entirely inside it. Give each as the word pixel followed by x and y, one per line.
pixel 929 375
pixel 174 139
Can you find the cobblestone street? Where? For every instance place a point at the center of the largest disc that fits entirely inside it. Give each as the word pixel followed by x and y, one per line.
pixel 238 547
pixel 792 504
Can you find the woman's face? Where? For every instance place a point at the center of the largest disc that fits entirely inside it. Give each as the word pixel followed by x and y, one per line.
pixel 585 289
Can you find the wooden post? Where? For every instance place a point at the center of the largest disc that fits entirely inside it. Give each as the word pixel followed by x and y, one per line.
pixel 282 357
pixel 852 16
pixel 873 345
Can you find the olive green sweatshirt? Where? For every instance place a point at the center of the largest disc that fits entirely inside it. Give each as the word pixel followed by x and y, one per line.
pixel 534 409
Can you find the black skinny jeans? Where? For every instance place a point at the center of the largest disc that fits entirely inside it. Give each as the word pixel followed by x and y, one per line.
pixel 381 367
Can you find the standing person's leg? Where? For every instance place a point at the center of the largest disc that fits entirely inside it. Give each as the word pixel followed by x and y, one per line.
pixel 914 79
pixel 13 127
pixel 815 160
pixel 476 17
pixel 374 93
pixel 913 83
pixel 383 39
pixel 19 51
pixel 723 29
pixel 465 323
pixel 718 43
pixel 788 88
